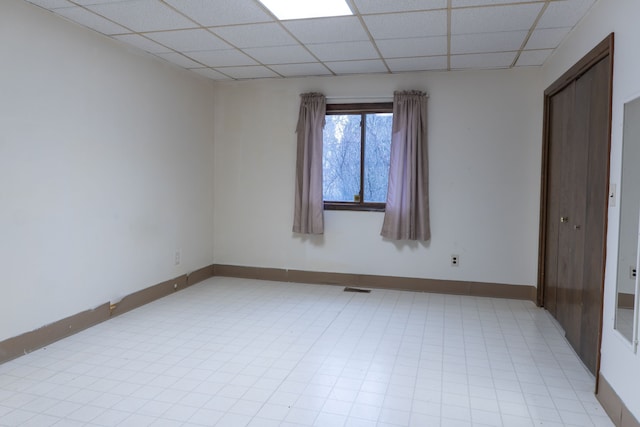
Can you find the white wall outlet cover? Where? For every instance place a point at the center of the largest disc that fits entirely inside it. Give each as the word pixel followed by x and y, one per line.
pixel 455 260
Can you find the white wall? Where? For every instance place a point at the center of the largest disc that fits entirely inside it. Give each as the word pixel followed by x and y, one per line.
pixel 105 160
pixel 619 365
pixel 484 148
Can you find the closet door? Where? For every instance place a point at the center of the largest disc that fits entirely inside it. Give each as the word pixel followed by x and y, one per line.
pixel 575 200
pixel 572 190
pixel 566 207
pixel 596 119
pixel 560 131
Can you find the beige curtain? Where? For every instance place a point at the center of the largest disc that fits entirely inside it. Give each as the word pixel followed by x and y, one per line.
pixel 407 210
pixel 309 210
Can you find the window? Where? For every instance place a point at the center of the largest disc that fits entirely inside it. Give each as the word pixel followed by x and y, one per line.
pixel 355 158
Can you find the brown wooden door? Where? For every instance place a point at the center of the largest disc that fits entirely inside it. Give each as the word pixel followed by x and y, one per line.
pixel 572 193
pixel 560 132
pixel 596 208
pixel 575 206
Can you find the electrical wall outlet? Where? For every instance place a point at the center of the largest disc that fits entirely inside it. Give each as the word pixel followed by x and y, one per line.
pixel 633 272
pixel 455 260
pixel 177 257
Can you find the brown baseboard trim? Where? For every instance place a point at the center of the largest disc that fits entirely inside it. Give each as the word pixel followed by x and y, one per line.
pixel 614 406
pixel 626 300
pixel 493 290
pixel 148 295
pixel 22 344
pixel 17 346
pixel 30 341
pixel 273 274
pixel 199 275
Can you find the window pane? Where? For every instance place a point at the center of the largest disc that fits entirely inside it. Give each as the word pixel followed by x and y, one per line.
pixel 376 156
pixel 341 158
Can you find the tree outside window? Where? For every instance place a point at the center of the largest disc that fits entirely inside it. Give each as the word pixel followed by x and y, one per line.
pixel 356 151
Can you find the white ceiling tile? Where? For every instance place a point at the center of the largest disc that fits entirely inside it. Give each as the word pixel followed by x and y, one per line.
pixel 343 51
pixel 327 30
pixel 417 64
pixel 212 74
pixel 256 72
pixel 378 6
pixel 410 35
pixel 357 67
pixel 280 54
pixel 293 70
pixel 189 40
pixel 422 46
pixel 143 15
pixel 548 38
pixel 566 13
pixel 179 59
pixel 483 60
pixel 83 17
pixel 142 43
pixel 407 25
pixel 222 58
pixel 255 35
pixel 487 42
pixel 494 19
pixel 466 3
pixel 211 13
pixel 533 57
pixel 51 4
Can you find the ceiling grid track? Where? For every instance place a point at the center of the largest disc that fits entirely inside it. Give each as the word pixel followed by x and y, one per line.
pixel 243 39
pixel 530 33
pixel 207 29
pixel 279 22
pixel 357 13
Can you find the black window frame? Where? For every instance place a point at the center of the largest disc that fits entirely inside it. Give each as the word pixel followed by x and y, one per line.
pixel 362 109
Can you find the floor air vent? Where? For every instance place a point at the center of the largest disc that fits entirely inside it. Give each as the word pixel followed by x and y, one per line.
pixel 360 291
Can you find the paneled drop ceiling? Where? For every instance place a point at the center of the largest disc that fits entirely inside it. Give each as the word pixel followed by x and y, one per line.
pixel 241 39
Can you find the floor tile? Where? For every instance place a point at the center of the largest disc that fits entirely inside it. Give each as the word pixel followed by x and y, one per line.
pixel 239 352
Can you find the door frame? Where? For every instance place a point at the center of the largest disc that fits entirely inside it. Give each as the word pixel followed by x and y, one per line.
pixel 604 49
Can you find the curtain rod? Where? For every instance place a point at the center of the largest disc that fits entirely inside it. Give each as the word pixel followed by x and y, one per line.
pixel 362 97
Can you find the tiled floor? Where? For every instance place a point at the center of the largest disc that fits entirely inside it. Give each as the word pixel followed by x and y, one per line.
pixel 233 352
